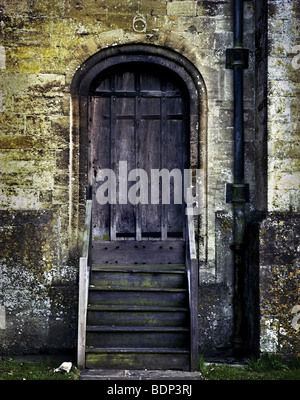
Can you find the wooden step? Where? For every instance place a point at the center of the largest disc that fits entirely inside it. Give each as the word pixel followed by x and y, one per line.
pixel 139 275
pixel 139 296
pixel 159 268
pixel 134 315
pixel 137 336
pixel 141 252
pixel 138 358
pixel 100 374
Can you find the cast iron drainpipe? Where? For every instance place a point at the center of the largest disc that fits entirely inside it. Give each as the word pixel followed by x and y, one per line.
pixel 238 188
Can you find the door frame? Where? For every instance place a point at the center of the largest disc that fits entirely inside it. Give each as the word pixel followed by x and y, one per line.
pixel 79 137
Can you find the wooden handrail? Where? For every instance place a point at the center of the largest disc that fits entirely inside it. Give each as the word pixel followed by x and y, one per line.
pixel 192 275
pixel 87 229
pixel 83 286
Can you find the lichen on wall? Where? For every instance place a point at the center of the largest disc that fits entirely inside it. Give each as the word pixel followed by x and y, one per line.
pixel 279 232
pixel 280 284
pixel 32 285
pixel 283 111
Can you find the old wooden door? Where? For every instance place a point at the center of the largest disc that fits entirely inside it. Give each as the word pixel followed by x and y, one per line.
pixel 138 119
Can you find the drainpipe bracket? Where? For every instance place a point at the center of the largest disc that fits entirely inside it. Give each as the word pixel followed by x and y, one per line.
pixel 237 57
pixel 89 192
pixel 237 193
pixel 238 247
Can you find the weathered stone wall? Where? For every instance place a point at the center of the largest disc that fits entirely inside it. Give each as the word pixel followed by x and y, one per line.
pixel 261 104
pixel 42 45
pixel 279 284
pixel 279 233
pixel 38 293
pixel 283 110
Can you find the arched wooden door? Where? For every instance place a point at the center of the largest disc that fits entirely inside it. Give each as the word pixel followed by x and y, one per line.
pixel 138 126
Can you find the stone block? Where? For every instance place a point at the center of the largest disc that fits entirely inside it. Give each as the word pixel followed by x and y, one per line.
pixel 153 7
pixel 17 7
pixel 85 8
pixel 38 105
pixel 215 318
pixel 40 8
pixel 12 124
pixel 115 7
pixel 45 198
pixel 120 20
pixel 60 128
pixel 62 159
pixel 38 125
pixel 182 8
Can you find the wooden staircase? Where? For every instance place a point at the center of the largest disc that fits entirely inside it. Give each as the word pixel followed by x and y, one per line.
pixel 138 317
pixel 135 306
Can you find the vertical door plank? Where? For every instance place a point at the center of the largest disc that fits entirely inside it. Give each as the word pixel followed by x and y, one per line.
pixel 113 161
pixel 125 150
pixel 175 161
pixel 150 157
pixel 150 149
pixel 164 163
pixel 99 159
pixel 138 152
pixel 124 147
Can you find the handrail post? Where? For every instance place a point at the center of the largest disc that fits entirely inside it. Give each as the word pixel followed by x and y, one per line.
pixel 194 315
pixel 192 274
pixel 83 287
pixel 82 302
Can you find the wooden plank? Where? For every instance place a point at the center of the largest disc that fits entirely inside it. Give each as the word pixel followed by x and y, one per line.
pixel 83 287
pixel 121 277
pixel 138 296
pixel 87 229
pixel 125 151
pixel 144 93
pixel 192 273
pixel 176 161
pixel 191 243
pixel 138 316
pixel 113 161
pixel 142 252
pixel 82 311
pixel 99 158
pixel 138 221
pixel 194 315
pixel 157 359
pixel 138 329
pixel 137 337
pixel 150 159
pixel 146 268
pixel 163 158
pixel 124 82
